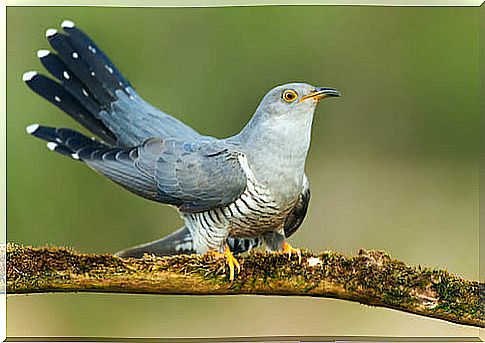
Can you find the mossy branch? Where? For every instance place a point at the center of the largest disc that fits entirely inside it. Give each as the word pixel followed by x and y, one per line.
pixel 370 277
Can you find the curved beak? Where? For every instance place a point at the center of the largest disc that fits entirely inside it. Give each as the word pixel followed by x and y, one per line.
pixel 322 93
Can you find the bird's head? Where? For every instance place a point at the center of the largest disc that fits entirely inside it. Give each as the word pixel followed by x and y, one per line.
pixel 284 116
pixel 292 103
pixel 294 100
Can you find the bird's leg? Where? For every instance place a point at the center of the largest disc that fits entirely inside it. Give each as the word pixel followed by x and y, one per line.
pixel 276 241
pixel 288 249
pixel 230 260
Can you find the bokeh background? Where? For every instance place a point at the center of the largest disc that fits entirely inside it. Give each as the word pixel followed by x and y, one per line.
pixel 393 164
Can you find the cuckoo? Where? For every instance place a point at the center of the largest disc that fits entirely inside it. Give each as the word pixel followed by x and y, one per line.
pixel 233 194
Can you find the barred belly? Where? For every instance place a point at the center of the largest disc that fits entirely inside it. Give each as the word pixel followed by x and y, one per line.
pixel 252 214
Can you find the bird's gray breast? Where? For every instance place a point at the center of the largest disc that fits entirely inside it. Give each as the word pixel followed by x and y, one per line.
pixel 253 213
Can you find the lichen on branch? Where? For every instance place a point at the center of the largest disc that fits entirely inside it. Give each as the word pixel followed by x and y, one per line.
pixel 370 277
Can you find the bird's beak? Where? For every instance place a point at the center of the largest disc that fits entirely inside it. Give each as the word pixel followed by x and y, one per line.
pixel 322 93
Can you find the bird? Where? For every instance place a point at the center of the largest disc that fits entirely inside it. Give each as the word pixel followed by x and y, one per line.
pixel 233 194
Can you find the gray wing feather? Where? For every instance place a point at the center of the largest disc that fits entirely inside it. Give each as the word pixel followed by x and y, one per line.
pixel 201 175
pixel 119 165
pixel 193 176
pixel 297 215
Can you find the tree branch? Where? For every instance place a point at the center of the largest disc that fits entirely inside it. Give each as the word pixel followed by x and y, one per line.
pixel 370 277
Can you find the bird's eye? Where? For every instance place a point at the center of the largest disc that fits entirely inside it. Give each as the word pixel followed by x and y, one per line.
pixel 289 95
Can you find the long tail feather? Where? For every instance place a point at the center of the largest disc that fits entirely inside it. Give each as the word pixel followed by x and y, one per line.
pixel 69 81
pixel 62 98
pixel 67 142
pixel 75 62
pixel 105 70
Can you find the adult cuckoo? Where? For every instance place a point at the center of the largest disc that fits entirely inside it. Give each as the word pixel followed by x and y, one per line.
pixel 233 194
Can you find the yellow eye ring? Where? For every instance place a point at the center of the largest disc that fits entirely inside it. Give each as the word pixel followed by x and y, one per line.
pixel 289 95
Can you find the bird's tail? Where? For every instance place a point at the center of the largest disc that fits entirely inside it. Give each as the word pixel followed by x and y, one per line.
pixel 67 142
pixel 86 80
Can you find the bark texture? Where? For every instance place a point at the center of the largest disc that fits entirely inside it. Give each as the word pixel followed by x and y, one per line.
pixel 370 277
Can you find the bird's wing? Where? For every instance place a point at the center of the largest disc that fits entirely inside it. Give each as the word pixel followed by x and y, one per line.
pixel 198 176
pixel 297 215
pixel 91 90
pixel 194 176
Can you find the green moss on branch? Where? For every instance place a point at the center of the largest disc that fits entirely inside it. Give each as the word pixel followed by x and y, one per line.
pixel 370 277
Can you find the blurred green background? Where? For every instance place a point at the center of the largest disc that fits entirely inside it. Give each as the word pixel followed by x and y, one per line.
pixel 393 164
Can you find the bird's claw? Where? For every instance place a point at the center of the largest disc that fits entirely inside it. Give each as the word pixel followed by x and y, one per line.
pixel 288 249
pixel 230 260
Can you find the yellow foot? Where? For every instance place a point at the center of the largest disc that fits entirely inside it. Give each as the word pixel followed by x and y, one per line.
pixel 230 260
pixel 288 249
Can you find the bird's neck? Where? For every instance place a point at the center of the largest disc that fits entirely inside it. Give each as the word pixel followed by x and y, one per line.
pixel 277 153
